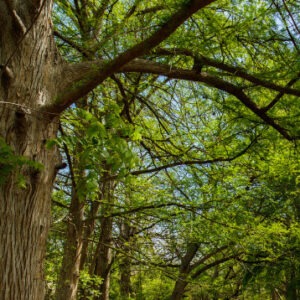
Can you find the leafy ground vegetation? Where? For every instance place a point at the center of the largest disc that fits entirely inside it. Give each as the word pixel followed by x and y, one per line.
pixel 180 176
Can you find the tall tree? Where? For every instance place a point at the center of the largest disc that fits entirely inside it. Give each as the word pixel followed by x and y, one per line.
pixel 37 86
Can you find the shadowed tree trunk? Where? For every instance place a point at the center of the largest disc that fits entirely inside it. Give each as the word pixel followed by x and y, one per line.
pixel 184 271
pixel 69 277
pixel 89 230
pixel 292 284
pixel 103 256
pixel 68 280
pixel 126 234
pixel 27 83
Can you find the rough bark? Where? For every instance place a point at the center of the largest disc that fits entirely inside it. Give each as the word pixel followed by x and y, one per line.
pixel 30 96
pixel 28 62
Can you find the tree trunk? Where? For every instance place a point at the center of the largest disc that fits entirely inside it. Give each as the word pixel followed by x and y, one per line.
pixel 89 230
pixel 179 288
pixel 291 287
pixel 103 256
pixel 27 84
pixel 126 233
pixel 185 268
pixel 125 278
pixel 69 277
pixel 68 280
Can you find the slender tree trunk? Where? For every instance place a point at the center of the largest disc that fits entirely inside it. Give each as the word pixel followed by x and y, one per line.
pixel 103 256
pixel 89 225
pixel 89 229
pixel 179 287
pixel 27 84
pixel 104 259
pixel 76 247
pixel 68 280
pixel 125 263
pixel 291 287
pixel 69 277
pixel 181 282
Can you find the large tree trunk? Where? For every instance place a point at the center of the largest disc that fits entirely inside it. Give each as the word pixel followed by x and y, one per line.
pixel 31 83
pixel 27 85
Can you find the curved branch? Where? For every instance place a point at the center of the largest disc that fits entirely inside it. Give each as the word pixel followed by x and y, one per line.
pixel 87 72
pixel 188 163
pixel 194 162
pixel 71 43
pixel 76 86
pixel 203 259
pixel 213 264
pixel 16 18
pixel 140 65
pixel 236 71
pixel 83 77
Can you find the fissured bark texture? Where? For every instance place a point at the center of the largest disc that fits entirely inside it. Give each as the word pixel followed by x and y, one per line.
pixel 28 58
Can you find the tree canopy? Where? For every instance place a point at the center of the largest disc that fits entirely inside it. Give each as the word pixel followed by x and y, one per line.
pixel 178 129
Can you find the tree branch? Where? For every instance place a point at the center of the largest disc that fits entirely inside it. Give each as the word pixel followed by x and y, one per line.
pixel 16 18
pixel 78 86
pixel 189 163
pixel 213 264
pixel 71 43
pixel 207 256
pixel 87 73
pixel 280 94
pixel 149 207
pixel 140 65
pixel 236 71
